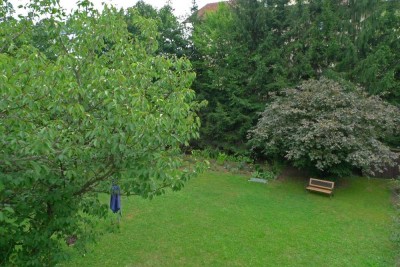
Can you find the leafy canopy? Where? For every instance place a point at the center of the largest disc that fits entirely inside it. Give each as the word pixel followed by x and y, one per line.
pixel 327 126
pixel 84 104
pixel 171 35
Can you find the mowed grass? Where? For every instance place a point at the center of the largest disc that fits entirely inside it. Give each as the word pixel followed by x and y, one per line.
pixel 221 219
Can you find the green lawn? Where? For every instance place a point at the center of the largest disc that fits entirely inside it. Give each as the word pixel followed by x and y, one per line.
pixel 221 219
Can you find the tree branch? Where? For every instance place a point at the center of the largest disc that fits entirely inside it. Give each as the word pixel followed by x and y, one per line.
pixel 88 185
pixel 74 69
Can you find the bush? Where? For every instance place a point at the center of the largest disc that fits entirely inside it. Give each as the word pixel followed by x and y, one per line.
pixel 329 127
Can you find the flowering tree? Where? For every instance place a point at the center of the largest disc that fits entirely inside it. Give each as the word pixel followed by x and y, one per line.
pixel 327 126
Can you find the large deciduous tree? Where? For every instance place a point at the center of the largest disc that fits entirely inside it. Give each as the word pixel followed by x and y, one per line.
pixel 93 104
pixel 330 127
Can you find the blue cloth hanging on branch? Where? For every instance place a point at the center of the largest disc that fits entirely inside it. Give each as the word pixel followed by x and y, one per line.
pixel 115 200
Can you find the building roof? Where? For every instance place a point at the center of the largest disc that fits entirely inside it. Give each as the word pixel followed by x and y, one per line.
pixel 208 8
pixel 211 7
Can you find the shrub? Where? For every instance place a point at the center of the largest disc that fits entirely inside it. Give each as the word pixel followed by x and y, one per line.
pixel 221 158
pixel 324 125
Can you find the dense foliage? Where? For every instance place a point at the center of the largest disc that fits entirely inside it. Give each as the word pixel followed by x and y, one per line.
pixel 249 48
pixel 221 80
pixel 83 103
pixel 171 34
pixel 325 125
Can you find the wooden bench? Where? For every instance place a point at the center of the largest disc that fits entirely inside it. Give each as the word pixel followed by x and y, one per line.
pixel 322 186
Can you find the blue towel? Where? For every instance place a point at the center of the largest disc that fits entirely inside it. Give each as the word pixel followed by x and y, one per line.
pixel 115 200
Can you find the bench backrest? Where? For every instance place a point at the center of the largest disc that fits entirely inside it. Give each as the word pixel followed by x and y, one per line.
pixel 322 183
